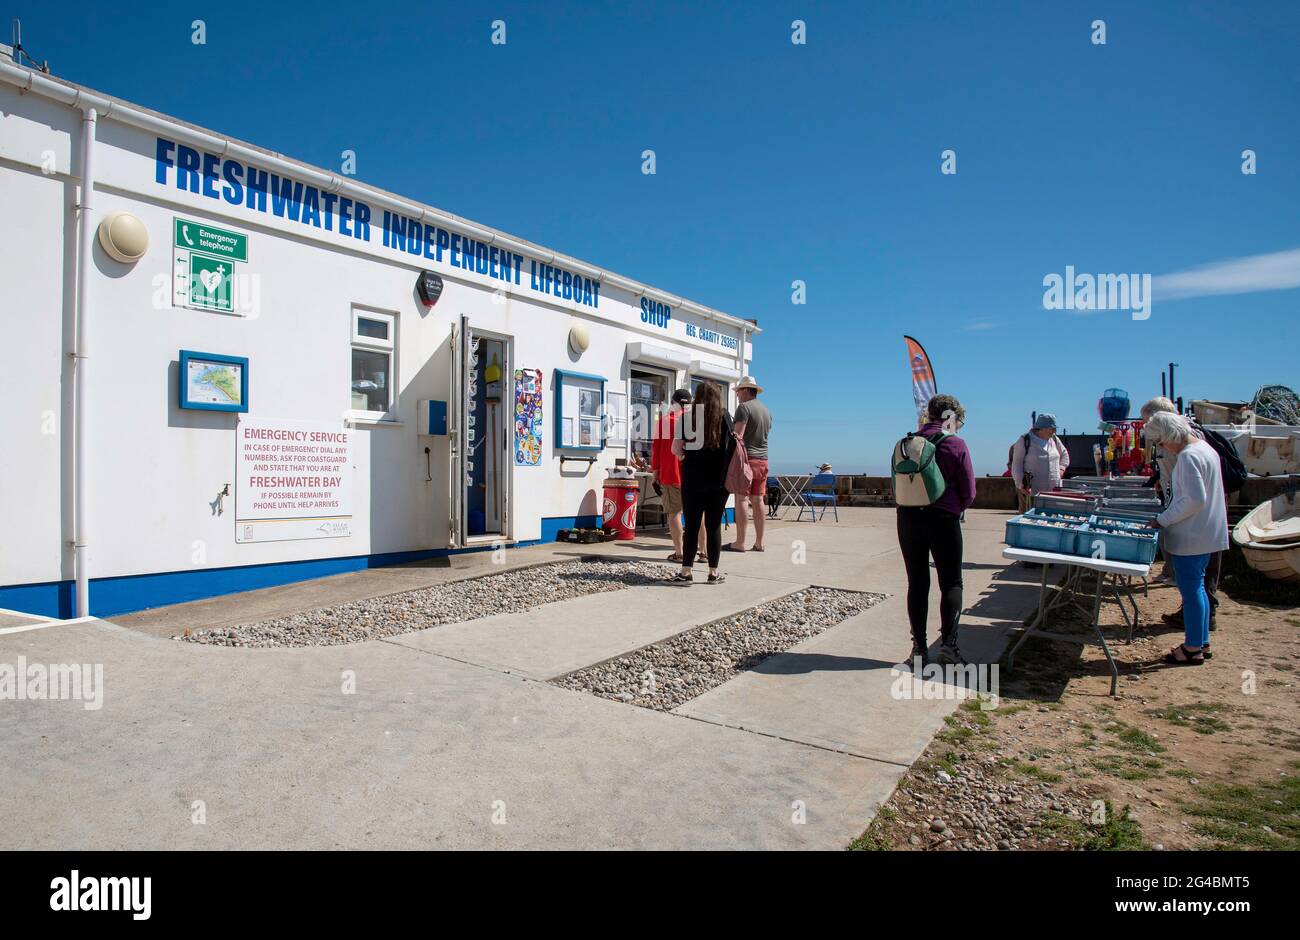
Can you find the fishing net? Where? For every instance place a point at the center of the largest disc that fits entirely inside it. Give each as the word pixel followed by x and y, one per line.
pixel 1277 402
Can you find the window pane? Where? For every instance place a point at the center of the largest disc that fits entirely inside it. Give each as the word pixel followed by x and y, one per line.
pixel 370 380
pixel 374 329
pixel 649 402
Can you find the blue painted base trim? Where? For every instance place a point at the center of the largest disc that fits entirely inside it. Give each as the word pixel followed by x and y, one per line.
pixel 551 527
pixel 130 593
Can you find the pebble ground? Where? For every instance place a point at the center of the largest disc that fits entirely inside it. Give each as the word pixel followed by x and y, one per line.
pixel 676 670
pixel 457 601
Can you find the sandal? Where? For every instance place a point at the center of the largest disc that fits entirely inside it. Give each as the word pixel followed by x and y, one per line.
pixel 732 548
pixel 717 578
pixel 1180 655
pixel 675 558
pixel 758 548
pixel 702 557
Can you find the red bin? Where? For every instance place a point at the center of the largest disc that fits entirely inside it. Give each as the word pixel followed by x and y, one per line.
pixel 618 513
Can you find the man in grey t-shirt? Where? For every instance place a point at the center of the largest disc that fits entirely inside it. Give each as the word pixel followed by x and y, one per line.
pixel 753 422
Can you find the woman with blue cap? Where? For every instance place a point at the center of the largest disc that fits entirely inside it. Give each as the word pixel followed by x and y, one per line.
pixel 1038 460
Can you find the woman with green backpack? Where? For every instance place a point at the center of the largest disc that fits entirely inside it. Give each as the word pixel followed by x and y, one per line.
pixel 934 483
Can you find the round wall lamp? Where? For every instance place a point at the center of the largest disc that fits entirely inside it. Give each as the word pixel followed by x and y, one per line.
pixel 123 237
pixel 578 339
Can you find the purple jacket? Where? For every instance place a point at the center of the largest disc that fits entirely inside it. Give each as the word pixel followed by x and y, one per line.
pixel 954 463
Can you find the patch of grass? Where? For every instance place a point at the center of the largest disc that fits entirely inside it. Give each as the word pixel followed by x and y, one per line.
pixel 1134 739
pixel 947 762
pixel 1003 711
pixel 874 838
pixel 1183 772
pixel 1026 769
pixel 1198 716
pixel 1234 816
pixel 975 711
pixel 1119 833
pixel 960 728
pixel 1126 767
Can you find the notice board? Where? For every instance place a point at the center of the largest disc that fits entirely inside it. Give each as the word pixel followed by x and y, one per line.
pixel 293 480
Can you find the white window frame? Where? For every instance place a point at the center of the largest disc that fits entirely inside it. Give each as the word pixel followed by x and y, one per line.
pixel 388 346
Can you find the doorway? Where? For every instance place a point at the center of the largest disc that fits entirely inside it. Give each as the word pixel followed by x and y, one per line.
pixel 649 394
pixel 650 390
pixel 483 439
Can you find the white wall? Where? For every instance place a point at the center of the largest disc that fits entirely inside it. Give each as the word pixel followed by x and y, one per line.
pixel 155 469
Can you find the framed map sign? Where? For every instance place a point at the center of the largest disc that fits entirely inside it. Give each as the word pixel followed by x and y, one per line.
pixel 213 383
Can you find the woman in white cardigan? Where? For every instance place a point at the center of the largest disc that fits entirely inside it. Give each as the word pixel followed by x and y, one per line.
pixel 1192 528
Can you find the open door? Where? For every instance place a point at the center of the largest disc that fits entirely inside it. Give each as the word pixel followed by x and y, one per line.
pixel 455 434
pixel 480 428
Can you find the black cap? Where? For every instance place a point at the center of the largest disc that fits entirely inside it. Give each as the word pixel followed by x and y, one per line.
pixel 681 397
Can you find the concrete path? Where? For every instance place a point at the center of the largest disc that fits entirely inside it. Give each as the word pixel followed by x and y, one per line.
pixel 449 738
pixel 559 638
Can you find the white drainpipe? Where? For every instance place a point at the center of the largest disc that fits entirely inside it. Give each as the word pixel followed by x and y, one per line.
pixel 81 360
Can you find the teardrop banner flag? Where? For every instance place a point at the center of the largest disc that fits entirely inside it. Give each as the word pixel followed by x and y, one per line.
pixel 924 386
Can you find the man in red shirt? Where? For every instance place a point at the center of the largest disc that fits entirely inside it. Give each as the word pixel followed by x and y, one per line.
pixel 668 469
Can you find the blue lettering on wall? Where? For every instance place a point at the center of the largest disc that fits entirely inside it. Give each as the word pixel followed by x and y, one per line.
pixel 229 180
pixel 655 313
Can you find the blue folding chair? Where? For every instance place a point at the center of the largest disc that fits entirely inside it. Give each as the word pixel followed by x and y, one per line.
pixel 820 491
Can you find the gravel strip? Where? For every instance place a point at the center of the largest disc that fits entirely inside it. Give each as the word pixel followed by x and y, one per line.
pixel 676 670
pixel 457 601
pixel 976 807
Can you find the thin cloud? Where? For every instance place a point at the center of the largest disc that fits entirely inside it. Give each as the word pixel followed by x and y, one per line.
pixel 1279 270
pixel 975 325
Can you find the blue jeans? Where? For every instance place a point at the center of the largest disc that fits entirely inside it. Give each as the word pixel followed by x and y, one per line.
pixel 1189 572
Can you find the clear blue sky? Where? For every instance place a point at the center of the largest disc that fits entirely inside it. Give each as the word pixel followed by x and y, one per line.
pixel 818 162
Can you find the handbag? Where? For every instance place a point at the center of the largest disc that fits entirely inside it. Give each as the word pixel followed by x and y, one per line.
pixel 740 476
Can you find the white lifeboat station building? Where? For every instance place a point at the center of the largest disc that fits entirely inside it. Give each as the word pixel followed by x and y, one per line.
pixel 225 369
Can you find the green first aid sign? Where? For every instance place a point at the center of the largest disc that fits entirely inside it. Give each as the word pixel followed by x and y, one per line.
pixel 210 283
pixel 218 242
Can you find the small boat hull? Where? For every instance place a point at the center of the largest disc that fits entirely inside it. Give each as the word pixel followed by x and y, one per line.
pixel 1267 537
pixel 1279 564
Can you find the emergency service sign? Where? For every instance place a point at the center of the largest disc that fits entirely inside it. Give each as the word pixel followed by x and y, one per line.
pixel 293 480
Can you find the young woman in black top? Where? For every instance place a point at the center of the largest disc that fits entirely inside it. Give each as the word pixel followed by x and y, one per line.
pixel 705 444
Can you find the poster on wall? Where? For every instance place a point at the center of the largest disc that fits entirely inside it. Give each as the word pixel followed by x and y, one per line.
pixel 213 382
pixel 293 480
pixel 528 417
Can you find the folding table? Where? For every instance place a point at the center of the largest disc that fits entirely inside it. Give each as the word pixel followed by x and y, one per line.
pixel 791 490
pixel 1114 582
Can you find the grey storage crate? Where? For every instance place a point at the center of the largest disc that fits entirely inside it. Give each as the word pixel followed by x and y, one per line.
pixel 1048 501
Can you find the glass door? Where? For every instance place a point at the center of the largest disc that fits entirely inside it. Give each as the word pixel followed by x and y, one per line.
pixel 649 392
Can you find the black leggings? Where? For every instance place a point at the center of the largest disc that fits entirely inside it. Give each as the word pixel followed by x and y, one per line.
pixel 708 505
pixel 924 531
